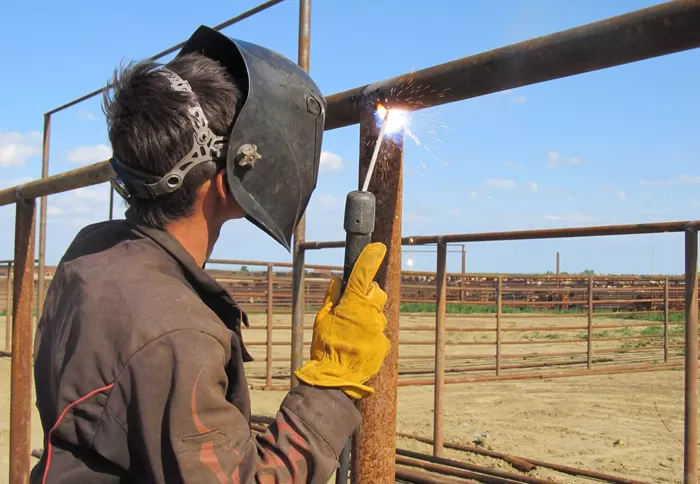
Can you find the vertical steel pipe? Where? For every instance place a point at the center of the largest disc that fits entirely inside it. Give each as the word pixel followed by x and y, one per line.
pixel 462 295
pixel 8 308
pixel 268 343
pixel 558 262
pixel 22 331
pixel 690 466
pixel 440 334
pixel 298 300
pixel 499 317
pixel 375 441
pixel 589 351
pixel 42 219
pixel 666 320
pixel 111 203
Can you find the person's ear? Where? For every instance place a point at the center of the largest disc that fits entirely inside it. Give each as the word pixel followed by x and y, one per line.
pixel 221 186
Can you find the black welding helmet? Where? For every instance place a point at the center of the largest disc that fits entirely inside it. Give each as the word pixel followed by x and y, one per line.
pixel 274 147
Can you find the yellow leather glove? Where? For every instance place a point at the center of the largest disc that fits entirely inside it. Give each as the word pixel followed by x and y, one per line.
pixel 348 345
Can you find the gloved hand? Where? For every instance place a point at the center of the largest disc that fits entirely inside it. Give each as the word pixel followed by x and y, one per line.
pixel 348 344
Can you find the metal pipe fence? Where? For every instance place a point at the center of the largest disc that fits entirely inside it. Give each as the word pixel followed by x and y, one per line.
pixel 643 34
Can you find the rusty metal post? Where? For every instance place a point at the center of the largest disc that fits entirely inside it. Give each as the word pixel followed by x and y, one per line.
pixel 375 441
pixel 268 343
pixel 462 295
pixel 666 320
pixel 589 361
pixel 499 315
pixel 22 331
pixel 690 469
pixel 42 219
pixel 298 300
pixel 111 203
pixel 8 308
pixel 440 312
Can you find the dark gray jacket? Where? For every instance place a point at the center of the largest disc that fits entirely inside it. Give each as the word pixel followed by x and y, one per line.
pixel 139 375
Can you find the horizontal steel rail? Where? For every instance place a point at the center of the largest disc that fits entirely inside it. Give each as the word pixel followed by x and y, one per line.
pixel 652 32
pixel 170 50
pixel 593 231
pixel 643 34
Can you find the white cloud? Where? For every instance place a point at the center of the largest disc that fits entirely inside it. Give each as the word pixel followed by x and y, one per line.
pixel 11 182
pixel 696 203
pixel 679 180
pixel 330 161
pixel 500 184
pixel 86 115
pixel 520 99
pixel 510 164
pixel 555 160
pixel 50 210
pixel 571 217
pixel 453 212
pixel 473 194
pixel 533 186
pixel 649 211
pixel 571 198
pixel 507 91
pixel 15 147
pixel 622 196
pixel 84 155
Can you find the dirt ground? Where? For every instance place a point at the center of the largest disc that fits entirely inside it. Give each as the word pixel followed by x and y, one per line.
pixel 630 425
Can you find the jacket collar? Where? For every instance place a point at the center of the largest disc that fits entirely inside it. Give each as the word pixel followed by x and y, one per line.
pixel 213 295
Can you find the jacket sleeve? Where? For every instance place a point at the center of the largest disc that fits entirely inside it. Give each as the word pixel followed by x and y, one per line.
pixel 183 429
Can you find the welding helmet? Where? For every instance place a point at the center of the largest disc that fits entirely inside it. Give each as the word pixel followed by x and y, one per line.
pixel 274 146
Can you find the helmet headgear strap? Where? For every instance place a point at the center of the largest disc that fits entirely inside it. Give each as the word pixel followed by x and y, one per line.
pixel 207 146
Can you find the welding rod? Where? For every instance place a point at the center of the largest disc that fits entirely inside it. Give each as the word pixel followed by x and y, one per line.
pixel 359 225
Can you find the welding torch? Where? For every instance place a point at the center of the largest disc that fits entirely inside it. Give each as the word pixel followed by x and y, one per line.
pixel 359 225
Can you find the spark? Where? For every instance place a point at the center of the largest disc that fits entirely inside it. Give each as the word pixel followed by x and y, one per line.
pixel 409 262
pixel 396 119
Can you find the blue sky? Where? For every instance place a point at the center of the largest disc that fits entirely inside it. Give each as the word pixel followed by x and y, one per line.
pixel 613 146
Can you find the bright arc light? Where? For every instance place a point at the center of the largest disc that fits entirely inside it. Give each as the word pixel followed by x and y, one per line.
pixel 396 119
pixel 409 262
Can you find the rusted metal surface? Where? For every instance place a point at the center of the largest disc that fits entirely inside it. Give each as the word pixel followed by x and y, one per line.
pixel 666 319
pixel 298 302
pixel 375 440
pixel 518 463
pixel 440 336
pixel 8 308
pixel 526 464
pixel 548 375
pixel 415 476
pixel 111 203
pixel 589 331
pixel 43 214
pixel 690 466
pixel 453 467
pixel 62 182
pixel 170 50
pixel 42 218
pixel 444 470
pixel 563 233
pixel 642 34
pixel 499 317
pixel 268 328
pixel 22 332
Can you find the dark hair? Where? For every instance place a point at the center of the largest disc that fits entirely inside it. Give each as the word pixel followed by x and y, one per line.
pixel 150 129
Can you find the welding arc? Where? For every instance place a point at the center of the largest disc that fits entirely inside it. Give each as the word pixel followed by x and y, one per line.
pixel 377 146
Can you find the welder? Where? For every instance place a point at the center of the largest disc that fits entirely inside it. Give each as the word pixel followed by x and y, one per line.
pixel 139 354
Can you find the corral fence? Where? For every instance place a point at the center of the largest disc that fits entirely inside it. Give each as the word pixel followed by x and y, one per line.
pixel 651 32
